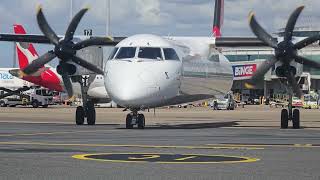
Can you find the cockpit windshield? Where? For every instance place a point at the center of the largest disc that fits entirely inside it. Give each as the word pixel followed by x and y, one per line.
pixel 126 52
pixel 170 54
pixel 114 51
pixel 150 53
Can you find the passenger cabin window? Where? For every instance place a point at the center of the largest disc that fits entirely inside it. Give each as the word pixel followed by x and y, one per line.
pixel 126 52
pixel 150 53
pixel 114 51
pixel 170 54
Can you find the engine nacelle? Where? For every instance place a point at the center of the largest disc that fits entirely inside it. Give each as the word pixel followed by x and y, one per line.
pixel 69 68
pixel 282 71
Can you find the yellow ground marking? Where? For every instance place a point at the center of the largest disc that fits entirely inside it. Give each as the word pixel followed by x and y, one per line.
pixel 266 145
pixel 144 157
pixel 129 145
pixel 246 159
pixel 53 133
pixel 185 158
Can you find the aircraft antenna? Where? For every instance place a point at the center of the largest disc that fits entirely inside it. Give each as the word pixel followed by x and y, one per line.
pixel 108 14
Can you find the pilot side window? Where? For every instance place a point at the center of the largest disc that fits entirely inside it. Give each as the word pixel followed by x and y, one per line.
pixel 150 53
pixel 126 52
pixel 170 54
pixel 114 51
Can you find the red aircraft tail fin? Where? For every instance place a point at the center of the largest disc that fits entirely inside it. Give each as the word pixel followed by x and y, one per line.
pixel 218 18
pixel 25 51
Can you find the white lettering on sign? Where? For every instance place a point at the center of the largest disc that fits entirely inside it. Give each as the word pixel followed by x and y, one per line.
pixel 244 70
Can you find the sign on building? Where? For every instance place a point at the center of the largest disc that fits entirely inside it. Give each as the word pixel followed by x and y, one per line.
pixel 241 72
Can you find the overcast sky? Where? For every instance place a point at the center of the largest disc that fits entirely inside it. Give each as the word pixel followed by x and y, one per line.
pixel 162 17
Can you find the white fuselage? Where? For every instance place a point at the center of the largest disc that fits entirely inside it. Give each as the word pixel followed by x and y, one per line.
pixel 143 83
pixel 139 83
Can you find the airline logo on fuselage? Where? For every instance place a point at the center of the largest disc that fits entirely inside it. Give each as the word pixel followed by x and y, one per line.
pixel 244 70
pixel 5 76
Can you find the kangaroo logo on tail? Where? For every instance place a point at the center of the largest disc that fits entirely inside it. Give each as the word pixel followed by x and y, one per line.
pixel 25 51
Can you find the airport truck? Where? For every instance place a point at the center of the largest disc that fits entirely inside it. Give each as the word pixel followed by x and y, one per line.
pixel 310 101
pixel 35 97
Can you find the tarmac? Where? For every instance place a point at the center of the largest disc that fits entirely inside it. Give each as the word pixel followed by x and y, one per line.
pixel 191 143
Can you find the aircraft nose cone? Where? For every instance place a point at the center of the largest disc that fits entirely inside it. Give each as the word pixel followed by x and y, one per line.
pixel 130 94
pixel 134 87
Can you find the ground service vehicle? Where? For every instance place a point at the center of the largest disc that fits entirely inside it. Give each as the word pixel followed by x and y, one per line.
pixel 35 97
pixel 310 101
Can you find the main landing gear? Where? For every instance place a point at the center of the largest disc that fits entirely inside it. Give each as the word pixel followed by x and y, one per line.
pixel 290 114
pixel 134 118
pixel 87 110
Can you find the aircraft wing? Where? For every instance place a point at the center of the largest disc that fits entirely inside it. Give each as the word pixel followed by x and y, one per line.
pixel 238 42
pixel 31 38
pixel 218 42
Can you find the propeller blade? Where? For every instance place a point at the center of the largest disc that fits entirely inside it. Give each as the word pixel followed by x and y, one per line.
pixel 38 63
pixel 74 24
pixel 262 70
pixel 45 28
pixel 87 65
pixel 306 42
pixel 307 62
pixel 293 83
pixel 67 84
pixel 260 32
pixel 292 23
pixel 96 41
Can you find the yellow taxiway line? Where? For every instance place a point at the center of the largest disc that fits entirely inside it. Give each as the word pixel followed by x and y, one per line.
pixel 54 133
pixel 130 145
pixel 268 145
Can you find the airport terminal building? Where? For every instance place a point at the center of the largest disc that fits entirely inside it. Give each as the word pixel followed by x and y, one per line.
pixel 245 62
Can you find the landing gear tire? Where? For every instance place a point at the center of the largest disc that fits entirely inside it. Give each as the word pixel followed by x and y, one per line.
pixel 2 104
pixel 79 115
pixel 91 113
pixel 35 104
pixel 129 121
pixel 296 119
pixel 284 119
pixel 141 121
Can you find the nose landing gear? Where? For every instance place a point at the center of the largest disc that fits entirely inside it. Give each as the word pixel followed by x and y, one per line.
pixel 134 118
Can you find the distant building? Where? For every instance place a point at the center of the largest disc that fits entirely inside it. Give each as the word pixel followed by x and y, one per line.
pixel 245 61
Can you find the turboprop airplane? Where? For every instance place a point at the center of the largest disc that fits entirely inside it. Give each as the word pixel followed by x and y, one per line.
pixel 146 71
